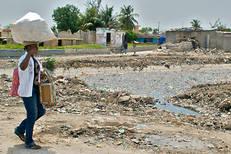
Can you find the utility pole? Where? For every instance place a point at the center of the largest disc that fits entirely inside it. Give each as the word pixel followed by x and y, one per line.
pixel 158 27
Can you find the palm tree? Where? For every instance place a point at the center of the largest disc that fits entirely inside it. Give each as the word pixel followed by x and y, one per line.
pixel 196 24
pixel 107 17
pixel 219 26
pixel 94 3
pixel 90 20
pixel 127 18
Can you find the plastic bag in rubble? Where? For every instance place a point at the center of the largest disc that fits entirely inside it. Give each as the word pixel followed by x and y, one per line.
pixel 31 28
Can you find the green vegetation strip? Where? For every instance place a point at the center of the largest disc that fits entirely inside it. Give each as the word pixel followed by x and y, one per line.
pixel 82 46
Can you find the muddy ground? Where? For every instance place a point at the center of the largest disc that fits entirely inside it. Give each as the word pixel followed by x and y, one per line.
pixel 87 120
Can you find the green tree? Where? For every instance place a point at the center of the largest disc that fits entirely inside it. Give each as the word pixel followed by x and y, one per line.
pixel 90 20
pixel 94 4
pixel 66 18
pixel 108 18
pixel 127 18
pixel 196 24
pixel 131 36
pixel 155 31
pixel 146 30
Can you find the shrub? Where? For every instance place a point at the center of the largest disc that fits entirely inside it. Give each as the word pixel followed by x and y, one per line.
pixel 49 63
pixel 131 36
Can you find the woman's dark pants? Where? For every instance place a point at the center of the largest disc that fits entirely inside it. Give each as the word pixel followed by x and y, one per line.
pixel 34 110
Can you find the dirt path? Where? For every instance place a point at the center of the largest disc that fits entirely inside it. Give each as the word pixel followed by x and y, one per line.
pixel 48 138
pixel 163 137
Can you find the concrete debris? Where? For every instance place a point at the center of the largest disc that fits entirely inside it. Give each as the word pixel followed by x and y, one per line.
pixel 179 47
pixel 123 99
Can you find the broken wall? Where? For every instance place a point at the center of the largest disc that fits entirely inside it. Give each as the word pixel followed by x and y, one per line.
pixel 206 39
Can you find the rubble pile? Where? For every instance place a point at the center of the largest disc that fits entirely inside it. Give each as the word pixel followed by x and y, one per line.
pixel 210 96
pixel 168 56
pixel 117 62
pixel 209 51
pixel 179 47
pixel 186 46
pixel 73 95
pixel 171 58
pixel 213 101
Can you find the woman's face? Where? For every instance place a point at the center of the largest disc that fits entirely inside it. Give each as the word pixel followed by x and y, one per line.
pixel 32 48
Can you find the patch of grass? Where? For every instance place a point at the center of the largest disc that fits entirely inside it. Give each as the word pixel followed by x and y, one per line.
pixel 81 46
pixel 11 46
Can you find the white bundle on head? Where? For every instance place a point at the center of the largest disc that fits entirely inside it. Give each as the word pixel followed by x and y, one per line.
pixel 31 28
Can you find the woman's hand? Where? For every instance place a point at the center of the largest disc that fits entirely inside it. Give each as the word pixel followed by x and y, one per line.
pixel 25 62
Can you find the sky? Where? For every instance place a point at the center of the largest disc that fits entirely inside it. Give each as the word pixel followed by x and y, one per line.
pixel 169 13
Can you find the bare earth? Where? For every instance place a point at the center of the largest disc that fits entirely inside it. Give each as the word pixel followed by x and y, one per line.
pixel 87 120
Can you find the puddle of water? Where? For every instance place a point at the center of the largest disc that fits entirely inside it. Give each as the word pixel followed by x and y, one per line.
pixel 176 109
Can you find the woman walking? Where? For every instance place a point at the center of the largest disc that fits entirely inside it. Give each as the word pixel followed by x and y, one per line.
pixel 29 70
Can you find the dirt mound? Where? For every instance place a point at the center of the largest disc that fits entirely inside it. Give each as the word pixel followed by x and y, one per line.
pixel 179 47
pixel 212 100
pixel 143 61
pixel 73 95
pixel 215 97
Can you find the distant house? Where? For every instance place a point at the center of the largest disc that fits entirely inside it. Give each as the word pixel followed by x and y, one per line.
pixel 206 38
pixel 88 37
pixel 109 37
pixel 67 38
pixel 150 38
pixel 5 36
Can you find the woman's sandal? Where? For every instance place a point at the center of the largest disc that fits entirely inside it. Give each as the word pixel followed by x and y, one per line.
pixel 33 147
pixel 21 136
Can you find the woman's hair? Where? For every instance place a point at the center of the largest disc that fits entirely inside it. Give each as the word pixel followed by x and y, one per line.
pixel 26 47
